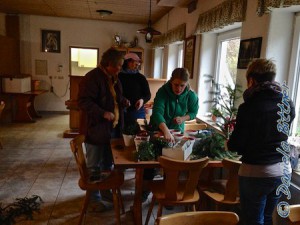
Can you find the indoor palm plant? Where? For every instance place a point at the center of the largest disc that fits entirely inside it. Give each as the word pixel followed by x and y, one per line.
pixel 223 104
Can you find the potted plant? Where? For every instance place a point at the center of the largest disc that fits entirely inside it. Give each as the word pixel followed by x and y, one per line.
pixel 223 104
pixel 129 131
pixel 152 149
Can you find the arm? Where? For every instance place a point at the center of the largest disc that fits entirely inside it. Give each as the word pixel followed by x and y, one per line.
pixel 192 109
pixel 237 140
pixel 87 100
pixel 167 134
pixel 146 95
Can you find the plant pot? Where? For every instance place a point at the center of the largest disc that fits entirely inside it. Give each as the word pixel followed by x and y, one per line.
pixel 213 118
pixel 128 139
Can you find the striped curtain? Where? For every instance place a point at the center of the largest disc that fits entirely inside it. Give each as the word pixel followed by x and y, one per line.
pixel 228 12
pixel 264 6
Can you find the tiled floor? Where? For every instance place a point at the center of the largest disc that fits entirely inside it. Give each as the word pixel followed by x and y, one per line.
pixel 37 160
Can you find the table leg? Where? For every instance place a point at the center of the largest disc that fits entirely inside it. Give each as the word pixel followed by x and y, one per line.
pixel 137 205
pixel 31 108
pixel 22 113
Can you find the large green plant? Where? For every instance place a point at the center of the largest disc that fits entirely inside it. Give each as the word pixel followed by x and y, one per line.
pixel 223 102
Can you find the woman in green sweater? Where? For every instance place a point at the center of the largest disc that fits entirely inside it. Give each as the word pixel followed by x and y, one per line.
pixel 174 104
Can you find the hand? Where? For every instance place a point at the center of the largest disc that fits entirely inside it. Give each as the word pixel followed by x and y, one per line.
pixel 178 120
pixel 169 137
pixel 127 103
pixel 139 103
pixel 109 116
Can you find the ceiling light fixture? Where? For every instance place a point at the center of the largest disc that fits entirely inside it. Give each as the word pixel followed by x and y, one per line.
pixel 149 31
pixel 104 13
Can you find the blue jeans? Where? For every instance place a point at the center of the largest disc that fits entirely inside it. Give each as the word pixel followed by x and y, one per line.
pixel 258 199
pixel 99 158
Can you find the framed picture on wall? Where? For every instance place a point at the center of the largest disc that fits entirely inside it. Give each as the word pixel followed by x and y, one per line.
pixel 51 41
pixel 249 50
pixel 189 53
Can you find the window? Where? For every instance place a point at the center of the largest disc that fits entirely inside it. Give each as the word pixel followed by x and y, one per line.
pixel 82 60
pixel 228 50
pixel 175 57
pixel 295 76
pixel 158 62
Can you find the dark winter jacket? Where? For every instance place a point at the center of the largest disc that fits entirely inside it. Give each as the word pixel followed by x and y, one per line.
pixel 135 87
pixel 94 98
pixel 256 134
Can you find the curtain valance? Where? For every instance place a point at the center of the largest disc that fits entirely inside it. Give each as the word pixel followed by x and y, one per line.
pixel 264 6
pixel 176 34
pixel 226 13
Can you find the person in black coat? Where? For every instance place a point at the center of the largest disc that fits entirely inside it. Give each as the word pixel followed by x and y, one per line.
pixel 135 88
pixel 260 136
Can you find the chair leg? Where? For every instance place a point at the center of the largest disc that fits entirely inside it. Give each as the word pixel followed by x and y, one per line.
pixel 116 206
pixel 84 207
pixel 150 210
pixel 121 204
pixel 159 210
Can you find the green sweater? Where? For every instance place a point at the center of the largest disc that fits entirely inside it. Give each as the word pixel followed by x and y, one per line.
pixel 167 106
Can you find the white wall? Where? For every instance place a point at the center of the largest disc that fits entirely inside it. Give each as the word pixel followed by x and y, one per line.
pixel 74 32
pixel 280 42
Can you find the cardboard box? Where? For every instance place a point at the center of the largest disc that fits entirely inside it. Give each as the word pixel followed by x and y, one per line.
pixel 181 151
pixel 16 84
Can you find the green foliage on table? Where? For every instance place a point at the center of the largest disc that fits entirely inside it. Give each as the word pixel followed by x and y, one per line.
pixel 21 207
pixel 212 145
pixel 151 150
pixel 146 151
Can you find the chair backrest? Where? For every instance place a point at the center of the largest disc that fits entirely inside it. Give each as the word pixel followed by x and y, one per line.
pixel 200 218
pixel 77 149
pixel 294 216
pixel 195 126
pixel 232 185
pixel 181 177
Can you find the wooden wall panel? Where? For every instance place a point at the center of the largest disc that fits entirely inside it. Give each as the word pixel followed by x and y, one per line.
pixel 10 56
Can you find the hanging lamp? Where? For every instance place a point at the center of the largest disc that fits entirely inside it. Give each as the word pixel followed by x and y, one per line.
pixel 149 31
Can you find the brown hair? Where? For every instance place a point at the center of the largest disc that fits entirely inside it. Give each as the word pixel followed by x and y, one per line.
pixel 261 70
pixel 181 74
pixel 112 56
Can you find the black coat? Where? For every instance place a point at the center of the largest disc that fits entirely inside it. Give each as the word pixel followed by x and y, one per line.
pixel 255 135
pixel 94 98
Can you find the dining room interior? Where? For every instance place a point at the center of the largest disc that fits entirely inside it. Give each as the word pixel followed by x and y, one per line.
pixel 48 46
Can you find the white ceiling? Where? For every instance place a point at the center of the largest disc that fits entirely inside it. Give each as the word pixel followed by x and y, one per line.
pixel 131 11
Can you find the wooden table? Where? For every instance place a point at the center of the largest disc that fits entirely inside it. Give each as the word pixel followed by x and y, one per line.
pixel 25 109
pixel 124 158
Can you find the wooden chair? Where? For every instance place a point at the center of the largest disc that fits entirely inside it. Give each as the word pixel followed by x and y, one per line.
pixel 200 218
pixel 231 194
pixel 113 181
pixel 294 216
pixel 2 105
pixel 179 187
